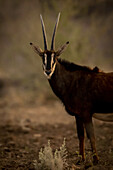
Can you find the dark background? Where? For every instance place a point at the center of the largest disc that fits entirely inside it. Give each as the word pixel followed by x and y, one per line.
pixel 87 25
pixel 30 114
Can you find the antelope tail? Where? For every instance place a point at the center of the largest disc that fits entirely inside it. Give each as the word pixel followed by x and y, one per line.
pixel 104 117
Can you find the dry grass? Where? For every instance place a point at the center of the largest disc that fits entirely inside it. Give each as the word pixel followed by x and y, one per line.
pixel 50 160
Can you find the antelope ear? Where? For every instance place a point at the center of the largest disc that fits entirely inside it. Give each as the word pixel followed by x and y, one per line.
pixel 37 49
pixel 61 49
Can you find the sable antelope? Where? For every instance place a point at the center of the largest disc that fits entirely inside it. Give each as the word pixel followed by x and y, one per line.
pixel 82 90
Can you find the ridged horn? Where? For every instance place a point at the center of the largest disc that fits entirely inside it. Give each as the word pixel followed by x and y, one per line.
pixel 53 37
pixel 44 33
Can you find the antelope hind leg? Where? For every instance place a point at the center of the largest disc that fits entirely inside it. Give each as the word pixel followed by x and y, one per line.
pixel 91 136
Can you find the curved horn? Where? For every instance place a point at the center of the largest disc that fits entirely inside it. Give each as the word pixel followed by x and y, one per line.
pixel 53 37
pixel 44 33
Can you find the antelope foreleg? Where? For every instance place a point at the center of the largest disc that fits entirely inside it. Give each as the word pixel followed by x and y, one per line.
pixel 80 132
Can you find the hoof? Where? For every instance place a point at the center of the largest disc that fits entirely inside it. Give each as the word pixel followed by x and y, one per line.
pixel 80 160
pixel 95 159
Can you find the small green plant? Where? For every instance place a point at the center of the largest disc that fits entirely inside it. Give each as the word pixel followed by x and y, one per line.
pixel 52 161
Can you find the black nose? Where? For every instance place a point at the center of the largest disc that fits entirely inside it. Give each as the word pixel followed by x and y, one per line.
pixel 48 72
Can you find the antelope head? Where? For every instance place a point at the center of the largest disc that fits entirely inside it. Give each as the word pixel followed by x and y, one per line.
pixel 49 57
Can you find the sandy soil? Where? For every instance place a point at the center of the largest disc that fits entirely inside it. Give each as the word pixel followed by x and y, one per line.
pixel 25 127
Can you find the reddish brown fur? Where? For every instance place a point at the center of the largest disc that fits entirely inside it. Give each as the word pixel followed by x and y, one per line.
pixel 83 92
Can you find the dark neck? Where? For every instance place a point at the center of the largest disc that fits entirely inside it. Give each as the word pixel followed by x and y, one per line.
pixel 67 74
pixel 59 81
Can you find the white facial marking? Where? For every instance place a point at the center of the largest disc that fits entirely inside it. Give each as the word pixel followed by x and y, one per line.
pixel 52 66
pixel 52 59
pixel 45 57
pixel 49 76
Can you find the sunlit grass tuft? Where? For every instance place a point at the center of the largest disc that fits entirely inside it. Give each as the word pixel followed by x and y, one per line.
pixel 49 160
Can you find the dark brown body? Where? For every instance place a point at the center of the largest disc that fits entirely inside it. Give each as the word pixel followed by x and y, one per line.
pixel 83 92
pixel 82 89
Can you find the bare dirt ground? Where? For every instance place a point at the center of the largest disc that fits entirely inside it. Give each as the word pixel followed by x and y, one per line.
pixel 26 125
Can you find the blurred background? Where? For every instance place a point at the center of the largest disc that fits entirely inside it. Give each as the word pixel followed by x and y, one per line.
pixel 87 25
